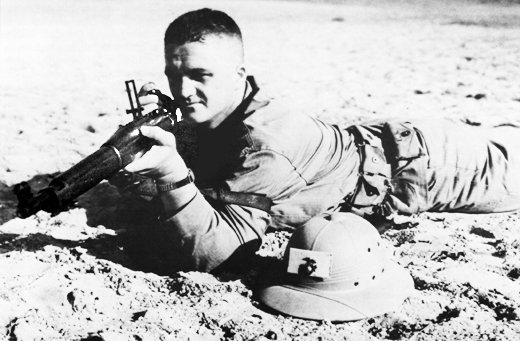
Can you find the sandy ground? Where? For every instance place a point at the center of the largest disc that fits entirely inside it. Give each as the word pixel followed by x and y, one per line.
pixel 84 275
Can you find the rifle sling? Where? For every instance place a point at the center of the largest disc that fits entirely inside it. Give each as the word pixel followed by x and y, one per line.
pixel 254 200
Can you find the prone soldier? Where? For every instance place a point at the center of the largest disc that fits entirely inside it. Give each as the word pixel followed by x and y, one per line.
pixel 259 147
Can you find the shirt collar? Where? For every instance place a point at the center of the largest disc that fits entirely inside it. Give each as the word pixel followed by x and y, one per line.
pixel 247 107
pixel 254 103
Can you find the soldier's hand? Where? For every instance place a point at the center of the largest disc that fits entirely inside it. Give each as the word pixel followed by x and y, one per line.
pixel 162 162
pixel 148 102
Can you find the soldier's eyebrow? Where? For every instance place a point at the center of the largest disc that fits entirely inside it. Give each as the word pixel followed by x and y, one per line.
pixel 199 71
pixel 195 71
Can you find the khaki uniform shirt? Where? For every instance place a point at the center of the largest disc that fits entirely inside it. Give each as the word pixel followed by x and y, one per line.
pixel 308 167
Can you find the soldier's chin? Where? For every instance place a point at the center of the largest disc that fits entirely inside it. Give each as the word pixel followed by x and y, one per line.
pixel 193 113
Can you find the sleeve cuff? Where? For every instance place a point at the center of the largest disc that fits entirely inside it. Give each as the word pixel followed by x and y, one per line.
pixel 191 216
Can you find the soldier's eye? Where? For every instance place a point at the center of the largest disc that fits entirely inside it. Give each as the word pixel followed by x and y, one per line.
pixel 200 76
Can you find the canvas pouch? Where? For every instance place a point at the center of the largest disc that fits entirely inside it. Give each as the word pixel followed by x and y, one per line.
pixel 392 173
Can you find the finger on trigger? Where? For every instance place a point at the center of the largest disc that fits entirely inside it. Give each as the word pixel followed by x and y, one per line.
pixel 138 165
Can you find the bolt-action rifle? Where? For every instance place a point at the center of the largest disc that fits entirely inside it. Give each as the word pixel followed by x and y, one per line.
pixel 116 153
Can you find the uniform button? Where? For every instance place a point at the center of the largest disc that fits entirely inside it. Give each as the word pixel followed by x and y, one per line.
pixel 375 159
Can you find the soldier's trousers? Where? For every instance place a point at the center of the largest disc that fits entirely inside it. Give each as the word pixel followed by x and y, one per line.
pixel 457 168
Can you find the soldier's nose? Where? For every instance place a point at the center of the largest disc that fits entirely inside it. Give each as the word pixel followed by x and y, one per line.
pixel 187 87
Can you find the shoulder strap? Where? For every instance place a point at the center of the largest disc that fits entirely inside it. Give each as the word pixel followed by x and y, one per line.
pixel 254 200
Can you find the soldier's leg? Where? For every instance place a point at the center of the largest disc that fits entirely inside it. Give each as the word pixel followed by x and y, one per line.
pixel 472 169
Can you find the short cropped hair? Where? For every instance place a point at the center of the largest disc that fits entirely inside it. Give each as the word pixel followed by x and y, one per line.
pixel 194 26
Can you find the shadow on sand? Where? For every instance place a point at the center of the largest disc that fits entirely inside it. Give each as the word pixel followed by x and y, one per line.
pixel 137 244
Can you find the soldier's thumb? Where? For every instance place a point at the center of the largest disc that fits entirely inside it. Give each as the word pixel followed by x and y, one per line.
pixel 146 87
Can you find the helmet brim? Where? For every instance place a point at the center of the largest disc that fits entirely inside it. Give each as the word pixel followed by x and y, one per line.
pixel 382 296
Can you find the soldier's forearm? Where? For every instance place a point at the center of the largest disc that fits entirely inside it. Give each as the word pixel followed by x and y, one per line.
pixel 176 199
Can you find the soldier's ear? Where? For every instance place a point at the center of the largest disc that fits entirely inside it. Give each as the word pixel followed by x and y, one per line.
pixel 241 71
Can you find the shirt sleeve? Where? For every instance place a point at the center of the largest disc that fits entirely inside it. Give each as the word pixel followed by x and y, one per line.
pixel 206 236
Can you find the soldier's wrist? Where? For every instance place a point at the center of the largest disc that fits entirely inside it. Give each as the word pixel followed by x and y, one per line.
pixel 170 183
pixel 176 199
pixel 173 176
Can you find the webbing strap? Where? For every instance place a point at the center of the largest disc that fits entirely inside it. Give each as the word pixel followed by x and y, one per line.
pixel 374 174
pixel 253 200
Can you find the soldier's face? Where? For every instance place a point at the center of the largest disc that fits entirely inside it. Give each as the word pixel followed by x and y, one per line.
pixel 206 78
